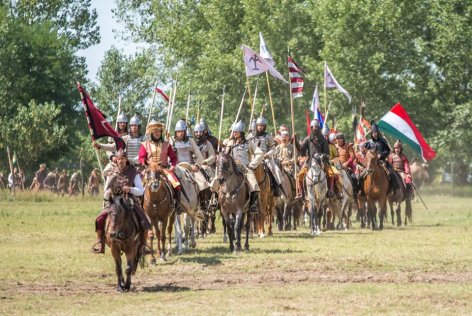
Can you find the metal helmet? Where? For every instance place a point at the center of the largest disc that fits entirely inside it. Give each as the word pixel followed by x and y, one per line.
pixel 238 127
pixel 199 127
pixel 203 123
pixel 340 136
pixel 180 126
pixel 135 120
pixel 261 121
pixel 253 125
pixel 122 118
pixel 325 130
pixel 315 123
pixel 374 128
pixel 332 137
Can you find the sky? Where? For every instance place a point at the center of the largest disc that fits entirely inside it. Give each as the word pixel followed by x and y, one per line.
pixel 107 23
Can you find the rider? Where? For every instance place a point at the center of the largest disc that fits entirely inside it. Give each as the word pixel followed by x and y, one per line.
pixel 38 180
pixel 360 166
pixel 383 151
pixel 157 150
pixel 284 152
pixel 207 134
pixel 247 157
pixel 125 180
pixel 346 158
pixel 400 164
pixel 132 140
pixel 313 144
pixel 122 122
pixel 267 144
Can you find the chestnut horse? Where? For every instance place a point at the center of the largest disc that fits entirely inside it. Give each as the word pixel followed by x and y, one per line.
pixel 123 234
pixel 159 205
pixel 266 200
pixel 233 197
pixel 376 188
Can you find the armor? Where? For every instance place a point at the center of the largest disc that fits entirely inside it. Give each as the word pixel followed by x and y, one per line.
pixel 157 152
pixel 135 120
pixel 184 151
pixel 180 126
pixel 238 127
pixel 240 153
pixel 122 118
pixel 265 142
pixel 346 154
pixel 132 147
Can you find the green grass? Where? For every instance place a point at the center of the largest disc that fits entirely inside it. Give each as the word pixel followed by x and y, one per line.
pixel 425 268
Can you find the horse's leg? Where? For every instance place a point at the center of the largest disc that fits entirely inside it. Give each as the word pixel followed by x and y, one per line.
pixel 225 230
pixel 116 253
pixel 247 226
pixel 178 234
pixel 130 257
pixel 230 224
pixel 193 227
pixel 170 224
pixel 162 224
pixel 239 224
pixel 408 210
pixel 280 220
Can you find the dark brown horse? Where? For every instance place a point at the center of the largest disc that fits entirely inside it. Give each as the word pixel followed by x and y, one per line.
pixel 376 188
pixel 123 235
pixel 233 197
pixel 399 195
pixel 159 205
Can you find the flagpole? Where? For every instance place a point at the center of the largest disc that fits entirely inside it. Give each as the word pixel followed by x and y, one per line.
pixel 118 113
pixel 221 118
pixel 293 127
pixel 91 135
pixel 271 103
pixel 248 87
pixel 253 104
pixel 325 96
pixel 11 170
pixel 188 106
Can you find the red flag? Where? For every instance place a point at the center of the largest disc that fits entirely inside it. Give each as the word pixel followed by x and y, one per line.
pixel 98 125
pixel 165 96
pixel 308 122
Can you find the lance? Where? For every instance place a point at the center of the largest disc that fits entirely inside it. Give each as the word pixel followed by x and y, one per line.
pixel 118 113
pixel 271 103
pixel 293 125
pixel 151 106
pixel 221 118
pixel 188 106
pixel 240 106
pixel 11 170
pixel 418 193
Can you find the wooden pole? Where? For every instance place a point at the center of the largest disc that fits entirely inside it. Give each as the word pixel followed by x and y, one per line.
pixel 221 118
pixel 293 128
pixel 271 103
pixel 188 106
pixel 118 112
pixel 240 106
pixel 11 170
pixel 325 95
pixel 253 103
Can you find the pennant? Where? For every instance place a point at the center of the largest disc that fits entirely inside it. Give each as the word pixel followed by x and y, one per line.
pixel 264 52
pixel 256 65
pixel 398 123
pixel 331 82
pixel 296 78
pixel 315 107
pixel 97 123
pixel 362 129
pixel 162 93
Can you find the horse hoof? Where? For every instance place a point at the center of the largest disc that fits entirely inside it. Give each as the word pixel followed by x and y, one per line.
pixel 153 261
pixel 271 233
pixel 193 245
pixel 120 289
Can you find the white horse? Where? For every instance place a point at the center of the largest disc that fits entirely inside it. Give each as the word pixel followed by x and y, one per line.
pixel 317 187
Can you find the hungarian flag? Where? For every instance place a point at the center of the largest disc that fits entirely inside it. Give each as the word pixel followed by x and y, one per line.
pixel 162 93
pixel 296 78
pixel 397 123
pixel 362 129
pixel 98 125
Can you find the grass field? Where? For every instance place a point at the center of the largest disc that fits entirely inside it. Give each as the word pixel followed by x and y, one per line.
pixel 425 268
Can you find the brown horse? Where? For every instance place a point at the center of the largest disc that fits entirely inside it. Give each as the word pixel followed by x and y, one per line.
pixel 158 205
pixel 233 197
pixel 123 235
pixel 376 188
pixel 266 200
pixel 402 194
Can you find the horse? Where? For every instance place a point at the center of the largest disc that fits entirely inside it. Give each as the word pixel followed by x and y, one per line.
pixel 266 200
pixel 286 203
pixel 346 201
pixel 123 235
pixel 233 197
pixel 158 203
pixel 419 173
pixel 50 181
pixel 402 194
pixel 376 186
pixel 93 183
pixel 317 188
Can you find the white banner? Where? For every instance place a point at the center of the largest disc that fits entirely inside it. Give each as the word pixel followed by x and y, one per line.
pixel 331 82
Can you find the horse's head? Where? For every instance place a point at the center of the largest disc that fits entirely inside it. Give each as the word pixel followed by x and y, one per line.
pixel 224 167
pixel 153 176
pixel 371 160
pixel 118 218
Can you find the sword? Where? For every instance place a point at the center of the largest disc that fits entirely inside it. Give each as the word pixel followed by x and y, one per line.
pixel 418 193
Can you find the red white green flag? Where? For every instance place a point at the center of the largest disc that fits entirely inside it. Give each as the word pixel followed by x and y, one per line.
pixel 398 123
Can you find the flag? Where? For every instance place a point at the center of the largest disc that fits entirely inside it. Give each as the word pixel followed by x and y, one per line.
pixel 264 52
pixel 398 123
pixel 315 107
pixel 256 65
pixel 331 82
pixel 296 78
pixel 165 96
pixel 98 125
pixel 308 122
pixel 362 129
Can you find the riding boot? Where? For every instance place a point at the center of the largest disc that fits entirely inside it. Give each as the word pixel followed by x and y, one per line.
pixel 178 208
pixel 253 205
pixel 300 192
pixel 330 187
pixel 100 242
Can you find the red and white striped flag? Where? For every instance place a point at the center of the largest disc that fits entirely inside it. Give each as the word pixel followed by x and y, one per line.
pixel 363 128
pixel 296 78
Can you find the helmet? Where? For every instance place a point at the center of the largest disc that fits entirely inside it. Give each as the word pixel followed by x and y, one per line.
pixel 261 121
pixel 199 127
pixel 121 153
pixel 284 133
pixel 238 127
pixel 154 126
pixel 340 136
pixel 253 125
pixel 283 127
pixel 135 120
pixel 332 137
pixel 180 126
pixel 203 123
pixel 398 144
pixel 325 130
pixel 374 128
pixel 122 118
pixel 315 123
